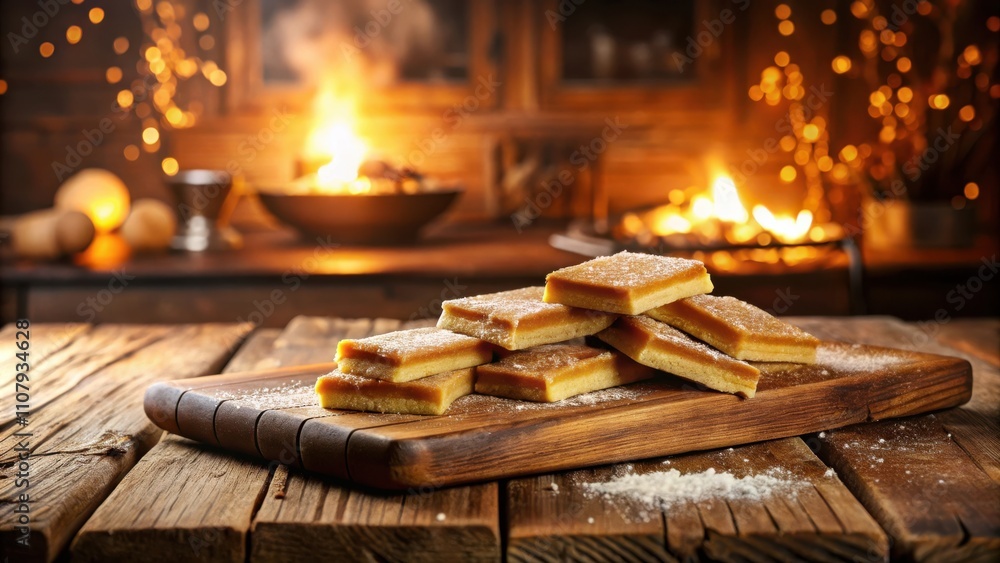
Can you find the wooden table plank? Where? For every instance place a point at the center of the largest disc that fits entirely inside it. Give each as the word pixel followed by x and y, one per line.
pixel 822 522
pixel 303 515
pixel 290 508
pixel 167 529
pixel 931 482
pixel 89 428
pixel 979 338
pixel 45 341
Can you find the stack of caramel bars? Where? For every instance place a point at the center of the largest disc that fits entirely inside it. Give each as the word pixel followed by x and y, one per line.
pixel 651 316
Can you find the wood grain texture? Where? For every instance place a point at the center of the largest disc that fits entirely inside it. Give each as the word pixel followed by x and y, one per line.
pixel 303 515
pixel 88 428
pixel 931 482
pixel 484 438
pixel 553 517
pixel 225 487
pixel 245 488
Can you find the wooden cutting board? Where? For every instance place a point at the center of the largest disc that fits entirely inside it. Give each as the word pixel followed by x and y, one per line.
pixel 273 414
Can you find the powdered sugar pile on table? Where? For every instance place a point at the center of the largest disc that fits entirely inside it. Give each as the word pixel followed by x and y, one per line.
pixel 664 489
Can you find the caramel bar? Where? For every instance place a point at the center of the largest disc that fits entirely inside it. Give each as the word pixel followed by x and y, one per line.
pixel 552 373
pixel 627 283
pixel 663 347
pixel 739 329
pixel 519 319
pixel 429 395
pixel 406 355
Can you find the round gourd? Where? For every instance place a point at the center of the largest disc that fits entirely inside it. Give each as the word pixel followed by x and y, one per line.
pixel 150 226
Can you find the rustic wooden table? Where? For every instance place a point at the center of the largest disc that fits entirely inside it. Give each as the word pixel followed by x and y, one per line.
pixel 106 485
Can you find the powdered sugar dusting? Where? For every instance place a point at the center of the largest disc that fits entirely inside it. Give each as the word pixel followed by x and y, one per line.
pixel 744 316
pixel 663 489
pixel 547 360
pixel 855 358
pixel 291 393
pixel 670 334
pixel 402 342
pixel 628 269
pixel 510 306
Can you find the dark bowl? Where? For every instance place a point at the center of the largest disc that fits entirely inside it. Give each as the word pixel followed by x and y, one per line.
pixel 360 219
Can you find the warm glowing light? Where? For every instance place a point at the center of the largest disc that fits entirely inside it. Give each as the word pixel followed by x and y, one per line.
pixel 676 197
pixel 728 206
pixel 701 207
pixel 848 153
pixel 73 34
pixel 46 49
pixel 99 194
pixel 170 166
pixel 887 134
pixel 788 173
pixel 972 55
pixel 201 21
pixel 3 87
pixel 150 135
pixel 120 45
pixel 153 53
pixel 787 143
pixel 829 17
pixel 841 64
pixel 781 58
pixel 924 7
pixel 993 23
pixel 206 42
pixel 868 42
pixel 939 101
pixel 96 15
pixel 904 64
pixel 967 113
pixel 131 153
pixel 784 228
pixel 333 138
pixel 783 12
pixel 810 133
pixel 671 223
pixel 971 190
pixel 125 98
pixel 217 78
pixel 786 27
pixel 859 9
pixel 904 94
pixel 144 5
pixel 113 75
pixel 824 163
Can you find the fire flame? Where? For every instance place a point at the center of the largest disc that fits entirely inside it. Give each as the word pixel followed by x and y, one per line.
pixel 723 211
pixel 334 139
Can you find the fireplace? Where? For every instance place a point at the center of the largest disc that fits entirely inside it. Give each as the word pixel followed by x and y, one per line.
pixel 842 149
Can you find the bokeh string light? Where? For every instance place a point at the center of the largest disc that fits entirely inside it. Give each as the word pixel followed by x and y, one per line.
pixel 162 64
pixel 908 105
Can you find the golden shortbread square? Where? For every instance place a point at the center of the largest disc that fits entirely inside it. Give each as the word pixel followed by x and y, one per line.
pixel 558 371
pixel 406 355
pixel 429 395
pixel 739 329
pixel 627 283
pixel 663 347
pixel 519 319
